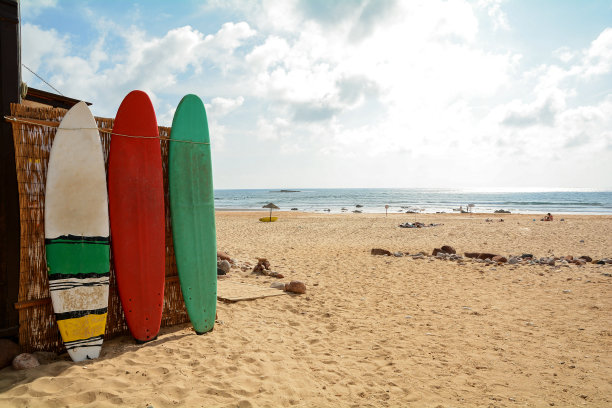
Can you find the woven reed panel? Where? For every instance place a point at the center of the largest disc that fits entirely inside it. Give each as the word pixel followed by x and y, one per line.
pixel 37 326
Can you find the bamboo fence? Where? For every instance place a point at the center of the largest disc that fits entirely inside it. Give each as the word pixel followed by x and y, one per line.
pixel 33 133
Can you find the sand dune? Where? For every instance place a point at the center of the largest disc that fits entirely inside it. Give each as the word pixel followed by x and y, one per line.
pixel 372 330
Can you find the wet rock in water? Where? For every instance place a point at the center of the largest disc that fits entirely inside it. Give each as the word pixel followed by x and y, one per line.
pixel 220 272
pixel 294 209
pixel 499 258
pixel 295 287
pixel 379 251
pixel 358 205
pixel 224 256
pixel 586 258
pixel 8 351
pixel 448 249
pixel 278 285
pixel 501 212
pixel 357 211
pixel 224 266
pixel 25 361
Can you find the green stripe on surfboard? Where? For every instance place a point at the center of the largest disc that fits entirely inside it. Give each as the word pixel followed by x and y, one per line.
pixel 193 212
pixel 73 258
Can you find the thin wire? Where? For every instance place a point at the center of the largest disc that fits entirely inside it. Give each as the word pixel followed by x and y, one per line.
pixel 39 77
pixel 103 130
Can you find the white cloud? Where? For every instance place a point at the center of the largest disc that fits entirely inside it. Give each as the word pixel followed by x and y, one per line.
pixel 494 10
pixel 32 8
pixel 222 106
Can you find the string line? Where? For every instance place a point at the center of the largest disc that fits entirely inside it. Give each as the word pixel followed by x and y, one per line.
pixel 41 78
pixel 103 130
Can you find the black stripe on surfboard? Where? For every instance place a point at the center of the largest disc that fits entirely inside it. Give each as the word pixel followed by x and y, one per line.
pixel 84 342
pixel 70 285
pixel 56 276
pixel 55 289
pixel 60 285
pixel 80 313
pixel 76 239
pixel 79 282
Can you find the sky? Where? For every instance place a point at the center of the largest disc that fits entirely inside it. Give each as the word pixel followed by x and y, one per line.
pixel 357 93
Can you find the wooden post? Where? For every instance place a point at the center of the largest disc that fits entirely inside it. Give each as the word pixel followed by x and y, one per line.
pixel 10 81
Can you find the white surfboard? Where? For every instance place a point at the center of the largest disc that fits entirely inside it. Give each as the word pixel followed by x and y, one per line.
pixel 77 233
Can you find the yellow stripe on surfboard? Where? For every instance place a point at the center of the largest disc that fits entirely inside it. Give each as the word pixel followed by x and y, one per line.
pixel 82 327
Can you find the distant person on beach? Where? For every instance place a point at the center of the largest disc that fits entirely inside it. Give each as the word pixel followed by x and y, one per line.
pixel 548 217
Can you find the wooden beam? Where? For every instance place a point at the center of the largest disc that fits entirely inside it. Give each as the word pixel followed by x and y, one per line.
pixel 10 81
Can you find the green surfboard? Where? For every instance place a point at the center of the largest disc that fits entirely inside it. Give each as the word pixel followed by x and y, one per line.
pixel 193 212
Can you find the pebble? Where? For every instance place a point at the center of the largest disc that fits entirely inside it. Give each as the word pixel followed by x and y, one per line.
pixel 25 361
pixel 224 265
pixel 278 285
pixel 295 287
pixel 567 291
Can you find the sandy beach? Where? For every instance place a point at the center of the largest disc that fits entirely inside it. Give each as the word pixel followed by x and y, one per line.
pixel 373 331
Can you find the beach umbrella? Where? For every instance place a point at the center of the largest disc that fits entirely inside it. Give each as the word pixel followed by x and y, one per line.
pixel 271 206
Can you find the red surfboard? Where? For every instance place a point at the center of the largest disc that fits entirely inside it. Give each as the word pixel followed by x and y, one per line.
pixel 136 210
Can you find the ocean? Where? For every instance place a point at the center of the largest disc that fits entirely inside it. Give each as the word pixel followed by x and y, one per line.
pixel 373 200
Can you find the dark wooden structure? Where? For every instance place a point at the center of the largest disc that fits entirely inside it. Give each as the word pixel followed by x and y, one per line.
pixel 10 81
pixel 50 99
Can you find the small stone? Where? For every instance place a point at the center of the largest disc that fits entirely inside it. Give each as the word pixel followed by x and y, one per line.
pixel 485 256
pixel 25 361
pixel 586 258
pixel 379 251
pixel 278 285
pixel 398 254
pixel 567 291
pixel 295 287
pixel 499 258
pixel 276 275
pixel 527 256
pixel 220 272
pixel 224 265
pixel 514 260
pixel 8 351
pixel 447 249
pixel 222 255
